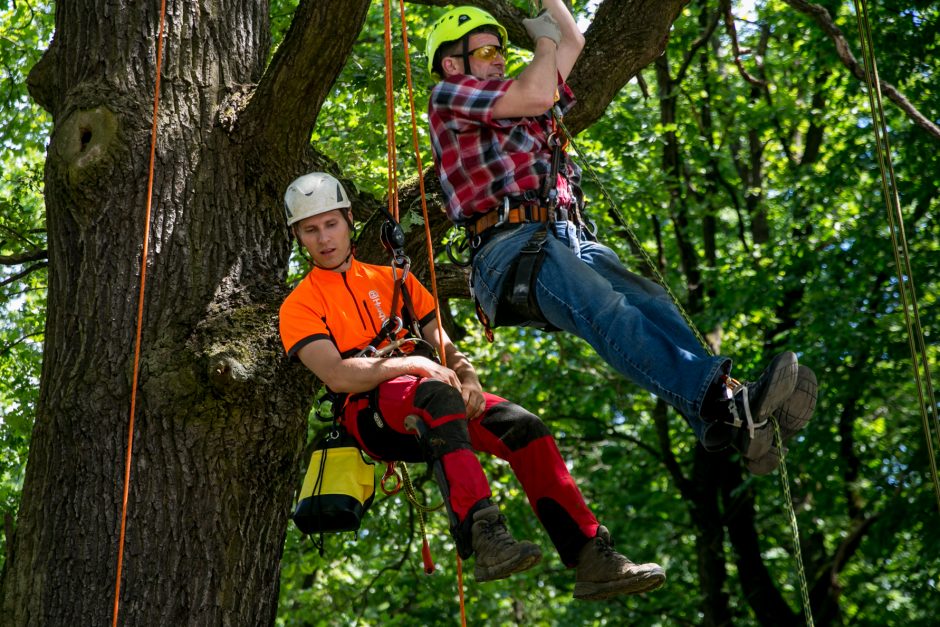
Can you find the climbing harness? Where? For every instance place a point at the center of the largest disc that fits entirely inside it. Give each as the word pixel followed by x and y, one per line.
pixel 517 304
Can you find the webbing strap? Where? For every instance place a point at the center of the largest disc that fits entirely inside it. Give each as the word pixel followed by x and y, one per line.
pixel 522 296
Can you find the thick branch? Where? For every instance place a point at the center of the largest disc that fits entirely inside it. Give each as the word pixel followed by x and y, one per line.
pixel 625 36
pixel 284 108
pixel 504 12
pixel 822 17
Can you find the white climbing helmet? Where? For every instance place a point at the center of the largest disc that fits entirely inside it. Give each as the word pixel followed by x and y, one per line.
pixel 313 194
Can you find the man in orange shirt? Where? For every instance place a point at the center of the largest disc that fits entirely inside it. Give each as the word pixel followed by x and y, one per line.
pixel 343 311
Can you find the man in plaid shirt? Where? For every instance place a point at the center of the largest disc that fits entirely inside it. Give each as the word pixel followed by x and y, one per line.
pixel 534 260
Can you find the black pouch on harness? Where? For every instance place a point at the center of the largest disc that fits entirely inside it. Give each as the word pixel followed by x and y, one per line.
pixel 517 306
pixel 338 488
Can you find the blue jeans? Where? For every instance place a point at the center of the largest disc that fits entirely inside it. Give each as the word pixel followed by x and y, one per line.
pixel 632 323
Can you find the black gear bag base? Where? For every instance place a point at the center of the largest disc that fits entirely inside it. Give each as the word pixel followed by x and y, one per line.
pixel 338 488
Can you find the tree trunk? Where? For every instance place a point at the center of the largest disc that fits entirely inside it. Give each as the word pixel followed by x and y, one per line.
pixel 221 414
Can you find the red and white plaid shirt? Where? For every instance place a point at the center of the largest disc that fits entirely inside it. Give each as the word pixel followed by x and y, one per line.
pixel 481 160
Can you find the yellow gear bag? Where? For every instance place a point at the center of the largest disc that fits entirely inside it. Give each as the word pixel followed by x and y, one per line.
pixel 338 488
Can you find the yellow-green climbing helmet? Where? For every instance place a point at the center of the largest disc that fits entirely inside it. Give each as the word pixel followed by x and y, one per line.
pixel 455 24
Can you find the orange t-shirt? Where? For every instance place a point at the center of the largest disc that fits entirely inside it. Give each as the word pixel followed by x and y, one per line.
pixel 347 308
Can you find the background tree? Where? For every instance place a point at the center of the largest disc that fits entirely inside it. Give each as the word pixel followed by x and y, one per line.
pixel 747 173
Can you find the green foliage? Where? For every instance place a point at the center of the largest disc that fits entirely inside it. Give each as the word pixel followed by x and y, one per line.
pixel 25 29
pixel 823 283
pixel 351 128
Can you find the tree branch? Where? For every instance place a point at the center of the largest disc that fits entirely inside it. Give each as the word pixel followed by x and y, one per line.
pixel 824 19
pixel 668 458
pixel 281 114
pixel 616 49
pixel 30 255
pixel 698 44
pixel 5 350
pixel 24 273
pixel 733 35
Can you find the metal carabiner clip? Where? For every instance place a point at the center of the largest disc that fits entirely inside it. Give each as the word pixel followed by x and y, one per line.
pixel 368 351
pixel 390 473
pixel 395 322
pixel 461 244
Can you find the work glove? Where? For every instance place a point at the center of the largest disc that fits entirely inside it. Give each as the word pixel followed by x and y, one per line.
pixel 542 25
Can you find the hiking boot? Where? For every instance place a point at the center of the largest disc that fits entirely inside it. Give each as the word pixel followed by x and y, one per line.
pixel 752 404
pixel 498 554
pixel 792 416
pixel 603 573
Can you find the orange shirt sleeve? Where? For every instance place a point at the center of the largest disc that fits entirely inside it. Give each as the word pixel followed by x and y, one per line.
pixel 302 319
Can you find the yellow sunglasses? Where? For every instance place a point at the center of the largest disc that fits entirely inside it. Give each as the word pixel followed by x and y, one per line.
pixel 487 53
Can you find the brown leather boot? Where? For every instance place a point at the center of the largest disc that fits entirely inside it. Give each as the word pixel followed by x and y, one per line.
pixel 498 554
pixel 603 573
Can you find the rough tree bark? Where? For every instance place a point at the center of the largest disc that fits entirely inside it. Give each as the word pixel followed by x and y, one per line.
pixel 221 415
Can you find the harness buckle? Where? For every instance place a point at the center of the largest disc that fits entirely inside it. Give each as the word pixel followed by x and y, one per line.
pixel 503 213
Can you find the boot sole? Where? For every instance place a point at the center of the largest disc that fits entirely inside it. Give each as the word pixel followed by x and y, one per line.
pixel 520 563
pixel 796 411
pixel 644 582
pixel 784 371
pixel 793 415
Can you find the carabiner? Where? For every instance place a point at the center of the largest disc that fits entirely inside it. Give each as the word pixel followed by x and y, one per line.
pixel 390 473
pixel 368 351
pixel 388 330
pixel 461 244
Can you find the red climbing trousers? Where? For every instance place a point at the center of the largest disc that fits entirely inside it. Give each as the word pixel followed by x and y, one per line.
pixel 506 430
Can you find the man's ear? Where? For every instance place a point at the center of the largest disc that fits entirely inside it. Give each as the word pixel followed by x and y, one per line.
pixel 452 66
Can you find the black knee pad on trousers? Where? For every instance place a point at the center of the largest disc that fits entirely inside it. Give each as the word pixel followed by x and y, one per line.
pixel 447 438
pixel 514 426
pixel 440 400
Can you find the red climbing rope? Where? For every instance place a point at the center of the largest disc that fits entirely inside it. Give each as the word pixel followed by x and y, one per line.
pixel 140 317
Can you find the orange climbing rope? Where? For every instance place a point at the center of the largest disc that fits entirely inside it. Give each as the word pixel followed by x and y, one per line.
pixel 393 187
pixel 140 316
